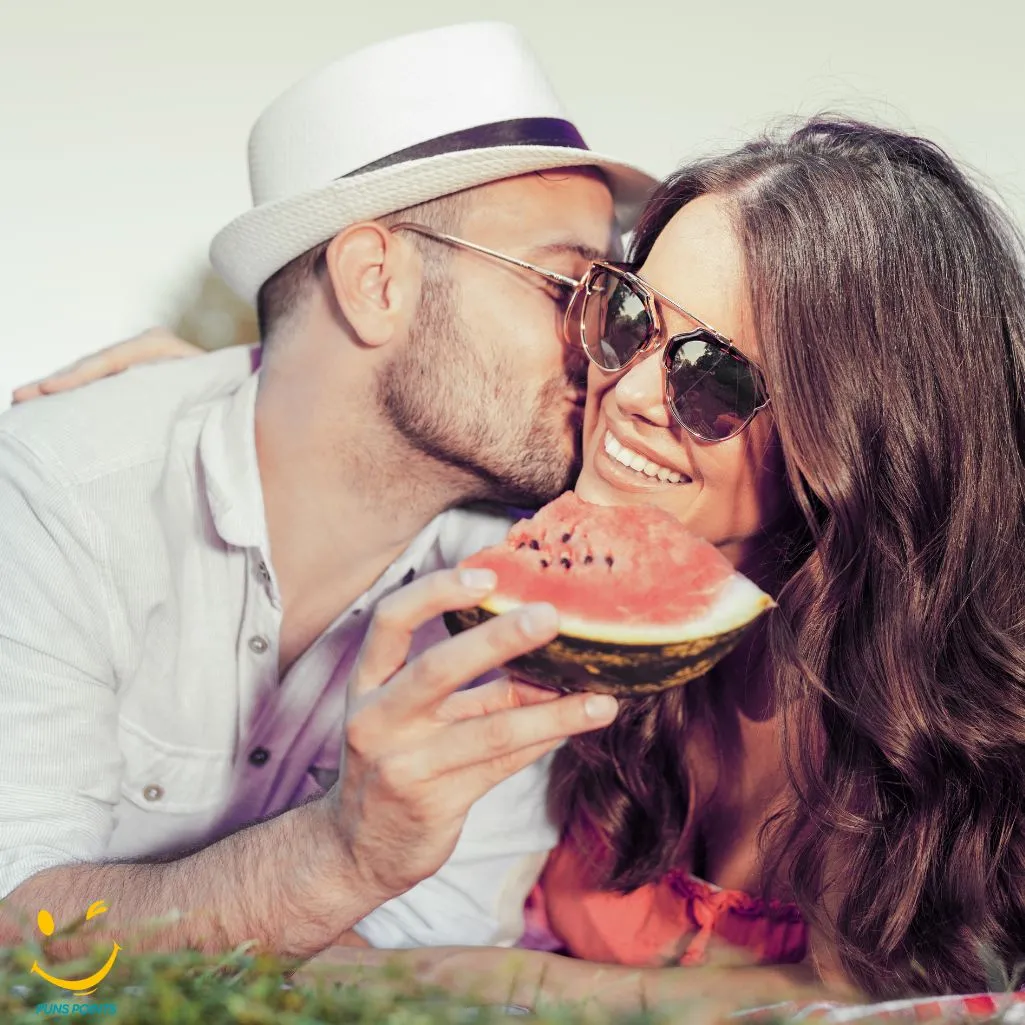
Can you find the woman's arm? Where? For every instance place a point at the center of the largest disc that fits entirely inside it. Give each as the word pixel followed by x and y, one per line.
pixel 156 343
pixel 530 977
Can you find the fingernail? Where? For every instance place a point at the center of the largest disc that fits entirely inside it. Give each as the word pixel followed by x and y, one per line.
pixel 478 579
pixel 602 707
pixel 539 620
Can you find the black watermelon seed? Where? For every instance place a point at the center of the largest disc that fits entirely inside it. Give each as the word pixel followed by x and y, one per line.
pixel 566 537
pixel 565 561
pixel 588 559
pixel 545 564
pixel 609 561
pixel 536 545
pixel 522 544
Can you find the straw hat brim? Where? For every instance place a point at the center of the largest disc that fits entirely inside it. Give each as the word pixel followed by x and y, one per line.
pixel 261 241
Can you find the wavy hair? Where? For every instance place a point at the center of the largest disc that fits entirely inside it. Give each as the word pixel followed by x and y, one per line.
pixel 889 302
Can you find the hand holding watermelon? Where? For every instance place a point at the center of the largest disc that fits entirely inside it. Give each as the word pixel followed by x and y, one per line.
pixel 418 750
pixel 643 603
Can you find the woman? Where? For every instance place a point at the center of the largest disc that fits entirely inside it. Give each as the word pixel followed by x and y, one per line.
pixel 847 789
pixel 881 303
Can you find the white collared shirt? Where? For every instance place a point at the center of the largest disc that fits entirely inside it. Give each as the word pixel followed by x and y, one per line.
pixel 139 619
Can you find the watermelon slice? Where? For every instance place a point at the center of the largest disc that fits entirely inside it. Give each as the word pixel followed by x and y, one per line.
pixel 643 603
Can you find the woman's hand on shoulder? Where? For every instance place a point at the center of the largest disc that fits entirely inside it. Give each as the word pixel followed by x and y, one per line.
pixel 156 343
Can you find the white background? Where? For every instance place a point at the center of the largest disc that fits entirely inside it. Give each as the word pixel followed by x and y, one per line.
pixel 123 125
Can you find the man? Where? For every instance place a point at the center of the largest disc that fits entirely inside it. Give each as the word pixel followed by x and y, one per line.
pixel 190 565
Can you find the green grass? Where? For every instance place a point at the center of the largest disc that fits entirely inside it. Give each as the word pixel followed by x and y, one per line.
pixel 188 989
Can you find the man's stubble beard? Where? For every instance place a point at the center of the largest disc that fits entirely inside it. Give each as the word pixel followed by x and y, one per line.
pixel 512 451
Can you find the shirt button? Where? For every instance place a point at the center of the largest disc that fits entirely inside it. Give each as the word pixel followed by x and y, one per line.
pixel 259 756
pixel 153 792
pixel 258 644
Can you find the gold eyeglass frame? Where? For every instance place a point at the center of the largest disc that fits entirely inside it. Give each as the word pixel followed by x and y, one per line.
pixel 650 296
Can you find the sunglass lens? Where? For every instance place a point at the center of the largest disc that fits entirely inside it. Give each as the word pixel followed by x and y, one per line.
pixel 713 391
pixel 614 320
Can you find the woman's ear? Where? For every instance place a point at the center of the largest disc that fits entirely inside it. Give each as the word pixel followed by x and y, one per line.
pixel 375 280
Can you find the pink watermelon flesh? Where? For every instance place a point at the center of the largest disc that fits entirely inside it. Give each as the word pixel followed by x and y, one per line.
pixel 619 564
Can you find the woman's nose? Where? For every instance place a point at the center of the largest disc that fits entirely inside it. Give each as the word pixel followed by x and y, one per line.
pixel 641 392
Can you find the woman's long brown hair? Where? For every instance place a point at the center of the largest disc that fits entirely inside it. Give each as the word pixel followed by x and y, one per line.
pixel 889 301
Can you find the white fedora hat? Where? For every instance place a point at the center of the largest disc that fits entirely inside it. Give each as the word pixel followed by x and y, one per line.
pixel 397 124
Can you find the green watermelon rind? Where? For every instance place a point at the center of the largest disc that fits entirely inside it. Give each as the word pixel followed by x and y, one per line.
pixel 570 663
pixel 607 639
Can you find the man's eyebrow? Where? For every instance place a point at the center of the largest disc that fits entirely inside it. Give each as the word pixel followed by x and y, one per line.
pixel 571 248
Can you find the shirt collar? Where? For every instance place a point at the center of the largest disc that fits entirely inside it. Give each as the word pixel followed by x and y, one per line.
pixel 227 453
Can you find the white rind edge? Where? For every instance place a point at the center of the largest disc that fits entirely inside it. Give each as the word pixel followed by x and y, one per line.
pixel 738 604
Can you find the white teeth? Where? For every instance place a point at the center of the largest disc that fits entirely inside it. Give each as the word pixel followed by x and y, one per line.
pixel 635 461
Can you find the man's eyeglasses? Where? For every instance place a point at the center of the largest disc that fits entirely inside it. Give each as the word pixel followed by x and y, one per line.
pixel 550 276
pixel 712 389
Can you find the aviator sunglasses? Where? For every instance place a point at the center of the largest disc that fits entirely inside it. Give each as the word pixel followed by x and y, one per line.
pixel 712 389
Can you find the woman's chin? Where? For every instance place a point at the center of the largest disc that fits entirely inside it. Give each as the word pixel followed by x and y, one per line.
pixel 606 488
pixel 585 490
pixel 596 491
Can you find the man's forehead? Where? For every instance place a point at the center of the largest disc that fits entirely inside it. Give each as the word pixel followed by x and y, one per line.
pixel 556 219
pixel 563 207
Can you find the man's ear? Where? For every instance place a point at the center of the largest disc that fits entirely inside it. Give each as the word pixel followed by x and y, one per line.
pixel 375 279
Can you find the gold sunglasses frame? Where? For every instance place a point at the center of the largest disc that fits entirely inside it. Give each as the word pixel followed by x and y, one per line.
pixel 659 337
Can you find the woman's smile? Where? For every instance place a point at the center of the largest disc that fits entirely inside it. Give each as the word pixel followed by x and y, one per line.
pixel 622 464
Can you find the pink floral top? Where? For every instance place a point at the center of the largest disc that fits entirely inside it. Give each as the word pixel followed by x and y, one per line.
pixel 670 922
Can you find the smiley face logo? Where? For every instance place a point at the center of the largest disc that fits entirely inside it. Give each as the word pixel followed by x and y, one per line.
pixel 84 986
